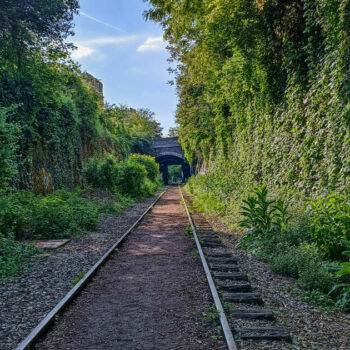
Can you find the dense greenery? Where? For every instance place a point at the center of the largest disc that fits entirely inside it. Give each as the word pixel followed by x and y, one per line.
pixel 136 176
pixel 62 120
pixel 53 125
pixel 175 173
pixel 264 91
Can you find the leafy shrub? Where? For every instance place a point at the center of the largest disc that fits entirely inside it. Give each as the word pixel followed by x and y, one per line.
pixel 114 206
pixel 61 214
pixel 132 179
pixel 261 214
pixel 102 173
pixel 330 223
pixel 150 164
pixel 16 213
pixel 343 289
pixel 175 173
pixel 129 177
pixel 286 263
pixel 8 146
pixel 12 257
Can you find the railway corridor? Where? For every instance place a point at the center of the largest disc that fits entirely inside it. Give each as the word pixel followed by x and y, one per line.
pixel 151 294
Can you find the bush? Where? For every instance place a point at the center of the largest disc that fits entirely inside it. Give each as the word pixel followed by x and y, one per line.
pixel 262 214
pixel 330 223
pixel 63 214
pixel 12 257
pixel 304 263
pixel 131 177
pixel 16 213
pixel 150 164
pixel 102 173
pixel 59 215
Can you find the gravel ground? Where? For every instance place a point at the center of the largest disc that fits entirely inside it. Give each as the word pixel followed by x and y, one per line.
pixel 149 296
pixel 25 301
pixel 310 326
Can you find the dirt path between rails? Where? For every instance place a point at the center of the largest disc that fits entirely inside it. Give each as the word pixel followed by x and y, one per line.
pixel 149 295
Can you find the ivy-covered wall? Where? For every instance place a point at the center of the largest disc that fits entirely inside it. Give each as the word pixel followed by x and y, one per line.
pixel 264 92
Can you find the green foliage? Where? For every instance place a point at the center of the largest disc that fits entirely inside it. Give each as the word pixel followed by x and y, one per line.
pixel 102 173
pixel 261 214
pixel 264 92
pixel 188 231
pixel 343 289
pixel 330 222
pixel 174 131
pixel 36 25
pixel 62 118
pixel 8 146
pixel 129 177
pixel 152 168
pixel 77 278
pixel 13 256
pixel 304 263
pixel 62 214
pixel 175 173
pixel 132 179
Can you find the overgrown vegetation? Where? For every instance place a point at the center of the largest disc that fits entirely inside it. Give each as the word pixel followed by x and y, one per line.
pixel 264 92
pixel 292 245
pixel 13 256
pixel 56 132
pixel 137 176
pixel 175 174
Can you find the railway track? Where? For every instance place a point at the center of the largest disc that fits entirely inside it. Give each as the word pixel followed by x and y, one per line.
pixel 30 341
pixel 241 309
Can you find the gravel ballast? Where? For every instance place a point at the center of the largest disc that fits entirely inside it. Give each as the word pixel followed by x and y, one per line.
pixel 149 295
pixel 310 326
pixel 25 301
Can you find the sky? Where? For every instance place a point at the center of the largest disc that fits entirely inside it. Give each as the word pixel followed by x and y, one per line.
pixel 116 45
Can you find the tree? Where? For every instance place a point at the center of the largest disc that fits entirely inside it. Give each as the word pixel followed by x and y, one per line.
pixel 174 131
pixel 29 26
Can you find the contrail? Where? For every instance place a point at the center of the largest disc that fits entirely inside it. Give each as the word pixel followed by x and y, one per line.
pixel 101 22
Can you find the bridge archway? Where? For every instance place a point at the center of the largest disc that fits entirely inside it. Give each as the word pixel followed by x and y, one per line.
pixel 168 151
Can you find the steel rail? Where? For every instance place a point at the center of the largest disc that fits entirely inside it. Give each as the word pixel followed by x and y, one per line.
pixel 39 330
pixel 223 320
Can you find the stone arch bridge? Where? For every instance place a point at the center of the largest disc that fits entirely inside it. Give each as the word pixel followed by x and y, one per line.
pixel 168 151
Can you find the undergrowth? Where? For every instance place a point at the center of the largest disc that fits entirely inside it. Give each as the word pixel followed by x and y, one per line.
pixel 13 256
pixel 70 213
pixel 310 245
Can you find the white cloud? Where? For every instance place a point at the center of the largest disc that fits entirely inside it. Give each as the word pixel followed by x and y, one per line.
pixel 114 40
pixel 152 44
pixel 90 47
pixel 82 51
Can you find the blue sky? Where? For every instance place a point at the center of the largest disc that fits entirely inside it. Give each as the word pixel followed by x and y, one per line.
pixel 116 45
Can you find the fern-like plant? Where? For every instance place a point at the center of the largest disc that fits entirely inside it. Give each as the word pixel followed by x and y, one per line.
pixel 261 214
pixel 343 300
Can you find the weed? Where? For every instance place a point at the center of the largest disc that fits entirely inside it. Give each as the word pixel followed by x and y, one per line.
pixel 188 231
pixel 77 278
pixel 212 317
pixel 226 305
pixel 194 253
